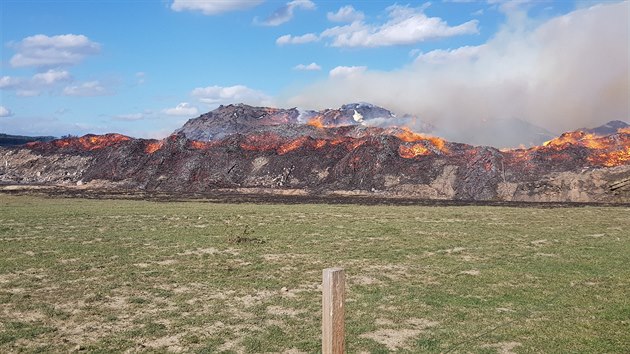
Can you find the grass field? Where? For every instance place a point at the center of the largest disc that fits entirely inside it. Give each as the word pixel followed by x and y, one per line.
pixel 114 275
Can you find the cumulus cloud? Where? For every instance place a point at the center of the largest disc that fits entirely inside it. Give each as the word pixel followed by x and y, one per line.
pixel 285 13
pixel 43 51
pixel 566 72
pixel 213 7
pixel 345 14
pixel 307 67
pixel 216 95
pixel 9 82
pixel 289 39
pixel 182 109
pixel 85 89
pixel 52 76
pixel 29 87
pixel 405 25
pixel 5 112
pixel 347 71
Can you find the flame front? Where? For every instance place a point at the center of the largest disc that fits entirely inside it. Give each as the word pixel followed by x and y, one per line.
pixel 419 149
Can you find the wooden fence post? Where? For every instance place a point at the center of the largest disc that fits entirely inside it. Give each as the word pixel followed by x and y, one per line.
pixel 333 326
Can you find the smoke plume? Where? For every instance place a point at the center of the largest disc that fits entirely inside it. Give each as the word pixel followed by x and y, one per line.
pixel 568 72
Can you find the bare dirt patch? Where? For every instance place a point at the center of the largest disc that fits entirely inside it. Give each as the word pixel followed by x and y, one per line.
pixel 399 338
pixel 504 347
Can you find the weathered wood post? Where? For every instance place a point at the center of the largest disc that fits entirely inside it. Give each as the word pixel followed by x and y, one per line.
pixel 333 326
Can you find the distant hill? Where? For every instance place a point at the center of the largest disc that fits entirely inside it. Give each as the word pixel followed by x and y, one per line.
pixel 12 140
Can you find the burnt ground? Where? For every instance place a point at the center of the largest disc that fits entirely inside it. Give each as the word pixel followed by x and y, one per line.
pixel 235 197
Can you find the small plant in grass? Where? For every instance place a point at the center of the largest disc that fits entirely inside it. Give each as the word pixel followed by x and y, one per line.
pixel 243 236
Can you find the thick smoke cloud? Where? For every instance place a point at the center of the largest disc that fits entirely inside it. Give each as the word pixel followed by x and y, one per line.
pixel 562 74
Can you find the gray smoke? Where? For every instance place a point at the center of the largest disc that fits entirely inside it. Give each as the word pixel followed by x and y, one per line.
pixel 568 72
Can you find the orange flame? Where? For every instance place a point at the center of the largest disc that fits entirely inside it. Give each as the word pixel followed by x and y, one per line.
pixel 625 130
pixel 413 151
pixel 576 138
pixel 293 145
pixel 611 158
pixel 153 146
pixel 419 149
pixel 410 137
pixel 316 122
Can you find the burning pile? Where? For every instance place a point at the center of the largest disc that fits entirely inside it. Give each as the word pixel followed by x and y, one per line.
pixel 252 147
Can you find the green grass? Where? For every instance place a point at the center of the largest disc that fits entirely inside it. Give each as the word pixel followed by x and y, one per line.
pixel 115 275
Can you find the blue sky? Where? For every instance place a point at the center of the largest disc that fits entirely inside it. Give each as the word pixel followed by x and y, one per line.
pixel 143 68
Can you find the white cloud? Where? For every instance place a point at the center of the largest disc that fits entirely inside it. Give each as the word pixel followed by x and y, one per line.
pixel 44 51
pixel 289 39
pixel 32 87
pixel 566 72
pixel 345 14
pixel 347 71
pixel 406 25
pixel 182 109
pixel 90 88
pixel 52 76
pixel 5 112
pixel 9 82
pixel 216 95
pixel 285 13
pixel 213 7
pixel 307 67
